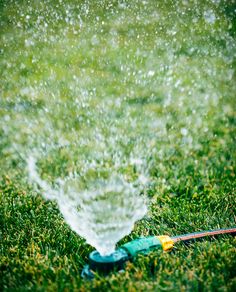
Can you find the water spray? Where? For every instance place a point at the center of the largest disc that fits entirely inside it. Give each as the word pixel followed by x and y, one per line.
pixel 118 259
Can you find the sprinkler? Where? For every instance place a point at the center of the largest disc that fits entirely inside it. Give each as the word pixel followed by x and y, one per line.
pixel 117 260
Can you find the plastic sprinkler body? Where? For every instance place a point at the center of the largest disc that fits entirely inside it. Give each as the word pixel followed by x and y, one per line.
pixel 117 260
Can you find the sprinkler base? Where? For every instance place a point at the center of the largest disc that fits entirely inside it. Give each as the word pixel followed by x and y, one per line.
pixel 87 273
pixel 105 264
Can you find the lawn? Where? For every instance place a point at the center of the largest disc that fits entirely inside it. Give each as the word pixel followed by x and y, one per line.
pixel 96 82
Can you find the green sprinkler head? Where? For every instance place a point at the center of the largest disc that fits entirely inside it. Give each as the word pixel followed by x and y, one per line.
pixel 117 260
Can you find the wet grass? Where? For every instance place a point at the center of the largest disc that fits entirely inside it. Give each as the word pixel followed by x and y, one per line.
pixel 172 63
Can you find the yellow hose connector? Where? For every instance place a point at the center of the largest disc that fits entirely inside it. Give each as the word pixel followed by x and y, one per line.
pixel 166 242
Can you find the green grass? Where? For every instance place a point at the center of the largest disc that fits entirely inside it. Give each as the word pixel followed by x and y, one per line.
pixel 165 67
